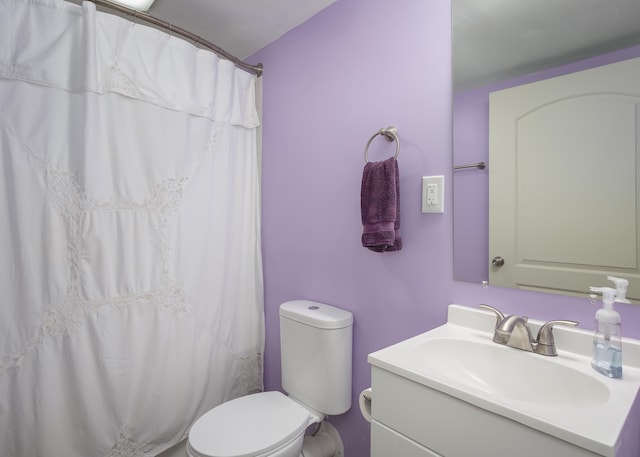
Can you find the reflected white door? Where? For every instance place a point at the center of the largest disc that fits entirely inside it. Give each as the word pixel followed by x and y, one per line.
pixel 564 181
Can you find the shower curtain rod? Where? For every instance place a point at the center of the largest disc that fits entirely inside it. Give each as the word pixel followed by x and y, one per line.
pixel 255 69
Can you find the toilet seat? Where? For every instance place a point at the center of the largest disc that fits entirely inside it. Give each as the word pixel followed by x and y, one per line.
pixel 248 426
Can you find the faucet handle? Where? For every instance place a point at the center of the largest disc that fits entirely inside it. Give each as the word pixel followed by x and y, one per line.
pixel 499 315
pixel 546 341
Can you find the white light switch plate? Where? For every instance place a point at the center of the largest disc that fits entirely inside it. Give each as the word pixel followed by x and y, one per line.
pixel 433 194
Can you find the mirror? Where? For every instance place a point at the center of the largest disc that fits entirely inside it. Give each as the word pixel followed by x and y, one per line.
pixel 497 45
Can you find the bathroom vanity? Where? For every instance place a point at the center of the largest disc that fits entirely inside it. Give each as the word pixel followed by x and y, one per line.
pixel 453 392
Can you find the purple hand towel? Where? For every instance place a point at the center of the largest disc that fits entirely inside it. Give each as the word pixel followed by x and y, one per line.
pixel 380 206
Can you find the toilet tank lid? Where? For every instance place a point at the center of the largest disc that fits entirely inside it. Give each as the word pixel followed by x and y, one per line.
pixel 316 314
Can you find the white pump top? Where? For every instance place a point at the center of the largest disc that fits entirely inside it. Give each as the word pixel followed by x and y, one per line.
pixel 621 289
pixel 607 314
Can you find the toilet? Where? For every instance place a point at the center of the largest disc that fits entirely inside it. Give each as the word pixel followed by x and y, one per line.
pixel 315 347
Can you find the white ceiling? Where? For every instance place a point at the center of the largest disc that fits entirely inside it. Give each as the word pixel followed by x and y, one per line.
pixel 499 39
pixel 240 27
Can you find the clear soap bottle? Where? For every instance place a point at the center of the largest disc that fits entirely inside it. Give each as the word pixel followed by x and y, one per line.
pixel 607 342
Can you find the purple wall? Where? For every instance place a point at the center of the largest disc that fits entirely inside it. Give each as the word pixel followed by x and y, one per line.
pixel 471 145
pixel 329 85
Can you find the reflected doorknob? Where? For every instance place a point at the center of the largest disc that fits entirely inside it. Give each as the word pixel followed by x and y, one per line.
pixel 497 261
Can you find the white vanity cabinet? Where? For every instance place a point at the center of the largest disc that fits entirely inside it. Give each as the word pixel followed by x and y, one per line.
pixel 412 420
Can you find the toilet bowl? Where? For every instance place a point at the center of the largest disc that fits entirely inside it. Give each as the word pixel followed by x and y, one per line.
pixel 264 424
pixel 316 344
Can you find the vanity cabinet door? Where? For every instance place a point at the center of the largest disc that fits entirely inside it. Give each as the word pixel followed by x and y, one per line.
pixel 386 442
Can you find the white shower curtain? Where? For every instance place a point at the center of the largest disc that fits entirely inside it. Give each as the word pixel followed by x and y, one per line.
pixel 130 266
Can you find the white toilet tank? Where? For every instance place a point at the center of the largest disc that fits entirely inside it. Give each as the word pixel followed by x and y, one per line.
pixel 315 345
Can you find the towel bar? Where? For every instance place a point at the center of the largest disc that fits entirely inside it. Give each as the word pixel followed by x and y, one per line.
pixel 479 166
pixel 391 134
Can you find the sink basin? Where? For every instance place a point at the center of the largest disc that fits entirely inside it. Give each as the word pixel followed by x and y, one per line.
pixel 509 372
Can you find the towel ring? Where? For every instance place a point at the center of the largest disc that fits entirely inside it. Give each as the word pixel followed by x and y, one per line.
pixel 391 134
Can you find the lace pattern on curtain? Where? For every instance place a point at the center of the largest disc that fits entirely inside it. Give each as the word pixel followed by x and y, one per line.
pixel 69 197
pixel 63 317
pixel 126 446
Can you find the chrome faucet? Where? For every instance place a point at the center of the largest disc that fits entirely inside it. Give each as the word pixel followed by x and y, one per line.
pixel 514 332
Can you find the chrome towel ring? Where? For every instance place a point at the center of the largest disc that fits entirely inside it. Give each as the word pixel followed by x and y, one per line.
pixel 391 134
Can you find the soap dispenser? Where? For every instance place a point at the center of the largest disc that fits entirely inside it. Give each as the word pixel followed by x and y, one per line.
pixel 607 344
pixel 621 289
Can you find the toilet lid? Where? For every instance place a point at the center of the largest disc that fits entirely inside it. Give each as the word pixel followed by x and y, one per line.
pixel 248 425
